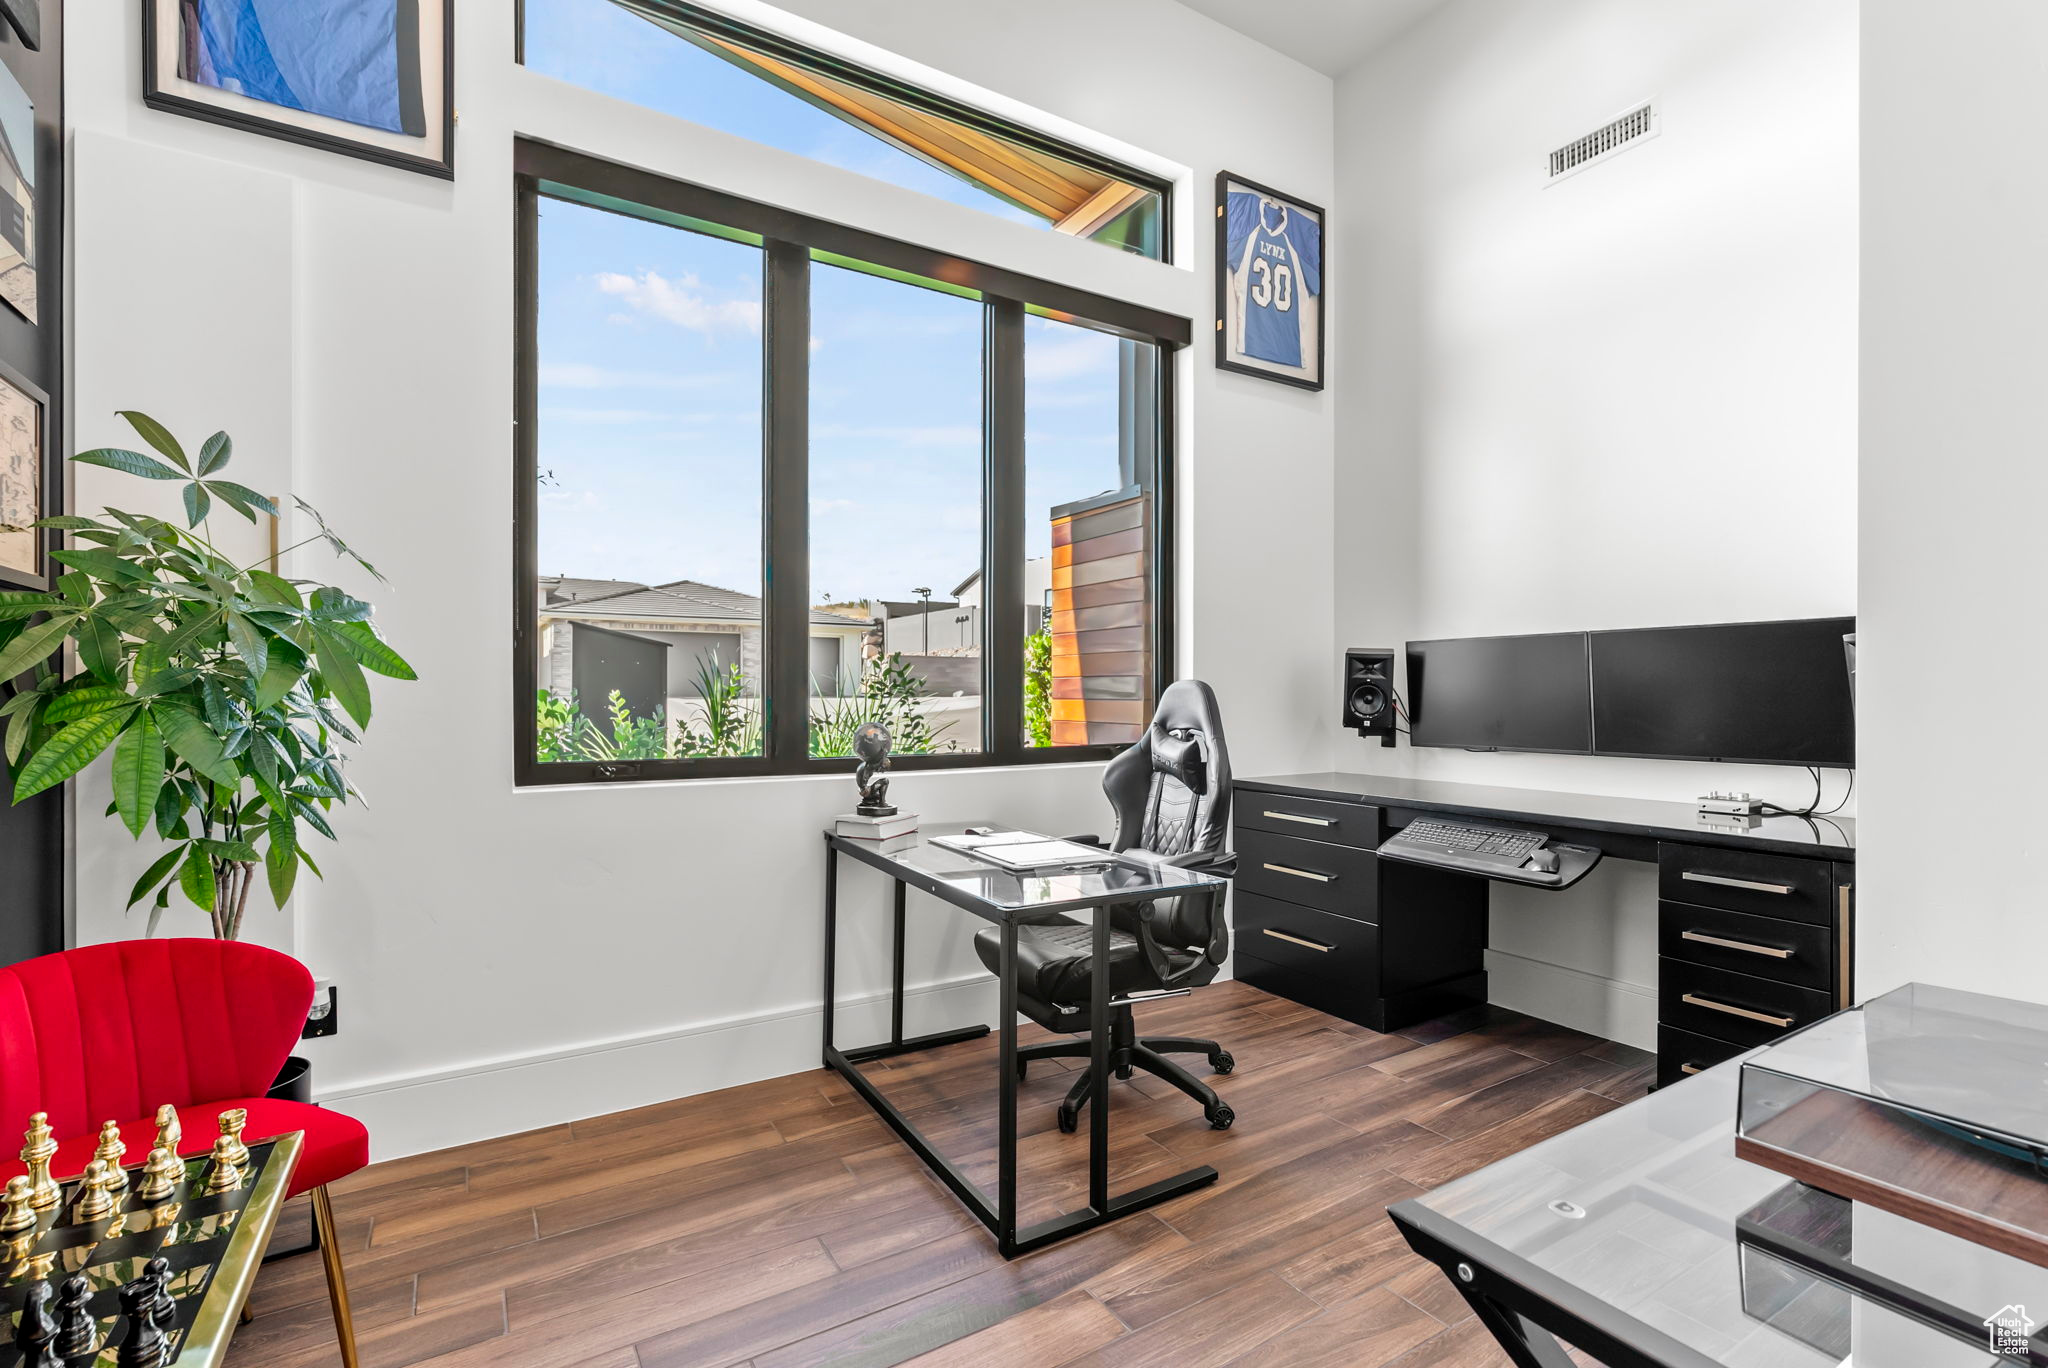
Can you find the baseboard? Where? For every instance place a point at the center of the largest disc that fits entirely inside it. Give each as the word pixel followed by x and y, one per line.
pixel 434 1109
pixel 1605 1007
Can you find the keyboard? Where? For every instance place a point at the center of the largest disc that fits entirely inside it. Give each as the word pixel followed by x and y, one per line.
pixel 1492 852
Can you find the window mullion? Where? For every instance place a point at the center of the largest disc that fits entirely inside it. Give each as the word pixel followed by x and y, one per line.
pixel 786 533
pixel 1003 502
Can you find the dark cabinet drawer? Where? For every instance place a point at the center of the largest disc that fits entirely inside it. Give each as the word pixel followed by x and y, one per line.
pixel 1330 963
pixel 1734 1007
pixel 1315 819
pixel 1334 878
pixel 1682 1053
pixel 1768 947
pixel 1742 881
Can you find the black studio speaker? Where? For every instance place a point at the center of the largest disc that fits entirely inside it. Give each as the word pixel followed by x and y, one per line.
pixel 1369 693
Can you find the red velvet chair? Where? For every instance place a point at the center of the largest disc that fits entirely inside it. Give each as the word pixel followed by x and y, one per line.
pixel 112 1032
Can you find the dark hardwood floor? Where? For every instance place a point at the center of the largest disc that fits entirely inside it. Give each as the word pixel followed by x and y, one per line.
pixel 781 1223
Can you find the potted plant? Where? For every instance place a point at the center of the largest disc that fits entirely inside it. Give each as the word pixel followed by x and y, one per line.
pixel 225 692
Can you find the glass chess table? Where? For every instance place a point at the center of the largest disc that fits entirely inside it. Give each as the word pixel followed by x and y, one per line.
pixel 1641 1239
pixel 214 1243
pixel 1005 899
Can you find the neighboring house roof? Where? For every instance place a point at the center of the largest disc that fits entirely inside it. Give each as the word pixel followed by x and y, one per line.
pixel 964 585
pixel 677 601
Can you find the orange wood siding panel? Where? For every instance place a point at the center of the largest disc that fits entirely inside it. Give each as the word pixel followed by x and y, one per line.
pixel 1096 548
pixel 1101 626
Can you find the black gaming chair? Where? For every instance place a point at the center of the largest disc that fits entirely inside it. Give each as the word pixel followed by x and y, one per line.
pixel 1171 796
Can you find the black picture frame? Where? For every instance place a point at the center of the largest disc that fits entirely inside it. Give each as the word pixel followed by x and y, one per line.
pixel 158 92
pixel 49 484
pixel 1303 376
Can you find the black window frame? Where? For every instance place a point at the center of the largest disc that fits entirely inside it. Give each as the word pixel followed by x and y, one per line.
pixel 717 25
pixel 789 239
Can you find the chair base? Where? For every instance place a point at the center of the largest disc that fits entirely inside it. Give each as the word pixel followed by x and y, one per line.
pixel 1128 1051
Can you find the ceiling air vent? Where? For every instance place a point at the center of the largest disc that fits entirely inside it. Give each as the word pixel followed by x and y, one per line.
pixel 1605 141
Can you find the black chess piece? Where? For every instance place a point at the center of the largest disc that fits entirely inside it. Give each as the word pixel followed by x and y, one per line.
pixel 143 1345
pixel 77 1337
pixel 35 1330
pixel 163 1308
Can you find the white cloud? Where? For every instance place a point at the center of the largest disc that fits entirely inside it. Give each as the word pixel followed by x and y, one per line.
pixel 582 375
pixel 681 300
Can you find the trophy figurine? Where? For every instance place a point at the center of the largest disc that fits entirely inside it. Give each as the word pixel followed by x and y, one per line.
pixel 871 744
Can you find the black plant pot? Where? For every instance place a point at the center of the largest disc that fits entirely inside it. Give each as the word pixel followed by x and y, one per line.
pixel 294 1081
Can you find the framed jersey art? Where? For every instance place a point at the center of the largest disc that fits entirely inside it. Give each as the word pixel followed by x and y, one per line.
pixel 1269 283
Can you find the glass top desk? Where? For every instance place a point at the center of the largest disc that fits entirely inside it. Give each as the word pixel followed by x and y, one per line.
pixel 1006 899
pixel 1641 1239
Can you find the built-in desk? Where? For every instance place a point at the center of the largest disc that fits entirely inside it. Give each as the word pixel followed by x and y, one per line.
pixel 1754 926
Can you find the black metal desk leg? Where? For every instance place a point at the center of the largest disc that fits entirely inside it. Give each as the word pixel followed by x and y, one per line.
pixel 1528 1344
pixel 1006 1113
pixel 1098 1060
pixel 896 996
pixel 831 939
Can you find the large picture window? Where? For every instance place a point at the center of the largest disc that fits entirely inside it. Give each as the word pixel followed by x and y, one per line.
pixel 776 477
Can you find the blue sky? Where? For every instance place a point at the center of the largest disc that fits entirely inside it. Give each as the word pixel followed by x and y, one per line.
pixel 650 369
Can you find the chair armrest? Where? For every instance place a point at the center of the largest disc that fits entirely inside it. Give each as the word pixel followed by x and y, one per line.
pixel 1091 839
pixel 1221 863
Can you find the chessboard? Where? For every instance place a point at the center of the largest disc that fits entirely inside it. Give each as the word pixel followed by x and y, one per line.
pixel 190 1230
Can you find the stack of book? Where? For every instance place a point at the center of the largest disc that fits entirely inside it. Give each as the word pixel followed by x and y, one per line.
pixel 858 828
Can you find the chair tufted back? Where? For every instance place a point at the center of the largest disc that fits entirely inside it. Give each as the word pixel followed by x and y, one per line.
pixel 112 1032
pixel 1171 796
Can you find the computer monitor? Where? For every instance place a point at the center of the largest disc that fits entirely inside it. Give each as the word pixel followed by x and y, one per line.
pixel 1772 693
pixel 1522 693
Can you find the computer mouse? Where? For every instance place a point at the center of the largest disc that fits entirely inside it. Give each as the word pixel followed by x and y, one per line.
pixel 1543 861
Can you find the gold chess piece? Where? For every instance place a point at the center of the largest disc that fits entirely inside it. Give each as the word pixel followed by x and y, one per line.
pixel 231 1123
pixel 225 1176
pixel 37 1154
pixel 170 1133
pixel 19 1212
pixel 160 1176
pixel 97 1192
pixel 112 1147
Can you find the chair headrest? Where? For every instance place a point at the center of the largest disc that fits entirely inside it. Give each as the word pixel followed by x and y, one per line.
pixel 1180 754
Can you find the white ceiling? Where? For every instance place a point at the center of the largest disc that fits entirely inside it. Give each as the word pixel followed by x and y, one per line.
pixel 1330 35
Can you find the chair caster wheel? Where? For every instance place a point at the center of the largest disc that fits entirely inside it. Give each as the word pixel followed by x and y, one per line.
pixel 1220 1116
pixel 1070 1120
pixel 1222 1062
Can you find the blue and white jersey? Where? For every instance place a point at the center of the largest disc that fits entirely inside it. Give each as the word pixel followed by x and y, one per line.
pixel 1276 262
pixel 336 58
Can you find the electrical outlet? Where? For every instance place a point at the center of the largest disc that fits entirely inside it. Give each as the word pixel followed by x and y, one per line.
pixel 325 1018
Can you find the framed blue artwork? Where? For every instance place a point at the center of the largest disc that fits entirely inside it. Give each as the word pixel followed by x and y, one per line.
pixel 366 78
pixel 1270 283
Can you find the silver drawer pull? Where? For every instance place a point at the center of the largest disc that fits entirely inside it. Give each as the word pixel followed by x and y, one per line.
pixel 1725 882
pixel 1301 873
pixel 1765 1017
pixel 1297 817
pixel 1297 940
pixel 1744 946
pixel 1690 1069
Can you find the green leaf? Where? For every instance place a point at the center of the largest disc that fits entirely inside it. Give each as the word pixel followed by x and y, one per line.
pixel 343 676
pixel 157 435
pixel 190 632
pixel 108 565
pixel 250 644
pixel 76 588
pixel 214 705
pixel 138 775
pixel 66 522
pixel 229 850
pixel 281 861
pixel 68 752
pixel 360 640
pixel 22 603
pixel 156 874
pixel 88 701
pixel 99 649
pixel 215 453
pixel 285 669
pixel 128 462
pixel 332 605
pixel 313 817
pixel 195 743
pixel 275 589
pixel 197 504
pixel 245 500
pixel 170 809
pixel 20 728
pixel 35 645
pixel 195 876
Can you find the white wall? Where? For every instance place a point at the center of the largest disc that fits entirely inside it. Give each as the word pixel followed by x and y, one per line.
pixel 1624 399
pixel 509 958
pixel 1951 657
